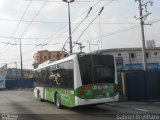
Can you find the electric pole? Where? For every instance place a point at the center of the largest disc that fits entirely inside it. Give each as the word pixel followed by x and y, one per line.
pixel 69 20
pixel 16 69
pixel 142 17
pixel 21 59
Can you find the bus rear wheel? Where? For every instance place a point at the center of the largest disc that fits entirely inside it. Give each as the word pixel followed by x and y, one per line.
pixel 58 101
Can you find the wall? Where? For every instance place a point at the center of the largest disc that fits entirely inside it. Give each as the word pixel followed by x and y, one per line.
pixel 153 60
pixel 19 83
pixel 143 86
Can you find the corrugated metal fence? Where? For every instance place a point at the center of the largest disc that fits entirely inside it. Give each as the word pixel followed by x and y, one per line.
pixel 19 83
pixel 141 86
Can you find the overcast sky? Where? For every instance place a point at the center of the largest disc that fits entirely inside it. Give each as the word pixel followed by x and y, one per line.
pixel 47 24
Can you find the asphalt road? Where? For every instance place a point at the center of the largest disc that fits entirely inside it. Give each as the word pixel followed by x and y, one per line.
pixel 21 105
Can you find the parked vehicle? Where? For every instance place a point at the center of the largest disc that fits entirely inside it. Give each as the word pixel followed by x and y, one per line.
pixel 2 82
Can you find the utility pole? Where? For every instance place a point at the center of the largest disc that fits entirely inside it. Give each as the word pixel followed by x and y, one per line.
pixel 21 59
pixel 70 34
pixel 16 69
pixel 142 18
pixel 69 19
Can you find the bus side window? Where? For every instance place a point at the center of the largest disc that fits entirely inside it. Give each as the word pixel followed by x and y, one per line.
pixel 45 76
pixel 68 81
pixel 35 76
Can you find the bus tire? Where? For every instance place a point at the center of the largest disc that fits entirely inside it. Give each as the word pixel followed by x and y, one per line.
pixel 58 101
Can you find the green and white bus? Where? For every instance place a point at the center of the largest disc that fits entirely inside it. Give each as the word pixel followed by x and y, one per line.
pixel 79 79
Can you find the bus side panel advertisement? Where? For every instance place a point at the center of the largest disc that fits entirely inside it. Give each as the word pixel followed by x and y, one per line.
pixel 67 95
pixel 96 91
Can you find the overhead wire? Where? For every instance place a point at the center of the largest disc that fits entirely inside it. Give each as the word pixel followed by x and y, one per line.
pixel 74 1
pixel 121 30
pixel 96 3
pixel 8 37
pixel 87 27
pixel 67 24
pixel 81 21
pixel 54 22
pixel 92 22
pixel 114 32
pixel 108 34
pixel 31 21
pixel 20 20
pixel 125 29
pixel 6 43
pixel 77 17
pixel 73 20
pixel 44 3
pixel 60 22
pixel 77 26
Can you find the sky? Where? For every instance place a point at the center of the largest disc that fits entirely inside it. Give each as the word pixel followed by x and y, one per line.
pixel 43 25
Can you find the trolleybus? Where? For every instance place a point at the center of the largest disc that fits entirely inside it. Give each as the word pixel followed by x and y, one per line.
pixel 79 79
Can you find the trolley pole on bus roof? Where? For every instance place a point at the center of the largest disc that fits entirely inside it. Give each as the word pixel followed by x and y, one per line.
pixel 70 34
pixel 80 46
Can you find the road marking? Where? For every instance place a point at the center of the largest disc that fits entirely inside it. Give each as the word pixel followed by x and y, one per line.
pixel 141 110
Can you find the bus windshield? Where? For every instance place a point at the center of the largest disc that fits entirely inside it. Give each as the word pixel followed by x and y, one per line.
pixel 96 68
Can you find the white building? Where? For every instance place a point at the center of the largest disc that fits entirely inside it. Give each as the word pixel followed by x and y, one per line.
pixel 132 57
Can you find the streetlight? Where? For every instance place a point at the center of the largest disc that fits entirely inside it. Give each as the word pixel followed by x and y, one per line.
pixel 70 35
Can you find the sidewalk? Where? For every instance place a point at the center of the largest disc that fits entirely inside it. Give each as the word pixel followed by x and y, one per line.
pixel 151 107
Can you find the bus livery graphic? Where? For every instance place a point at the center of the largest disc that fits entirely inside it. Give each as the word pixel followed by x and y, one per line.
pixel 55 77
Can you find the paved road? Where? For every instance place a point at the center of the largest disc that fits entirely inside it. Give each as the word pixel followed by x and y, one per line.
pixel 23 105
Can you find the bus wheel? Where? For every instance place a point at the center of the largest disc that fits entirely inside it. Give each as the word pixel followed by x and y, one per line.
pixel 58 101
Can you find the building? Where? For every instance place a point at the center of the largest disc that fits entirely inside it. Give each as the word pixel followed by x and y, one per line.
pixel 3 70
pixel 42 56
pixel 131 58
pixel 15 73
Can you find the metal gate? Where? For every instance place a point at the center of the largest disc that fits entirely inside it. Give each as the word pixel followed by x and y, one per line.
pixel 143 86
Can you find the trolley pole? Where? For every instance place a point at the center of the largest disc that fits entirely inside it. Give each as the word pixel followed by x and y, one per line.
pixel 80 46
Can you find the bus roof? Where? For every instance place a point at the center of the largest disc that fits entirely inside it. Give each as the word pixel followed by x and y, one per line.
pixel 71 57
pixel 49 62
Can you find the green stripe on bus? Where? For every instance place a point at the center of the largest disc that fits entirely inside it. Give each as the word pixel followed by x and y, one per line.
pixel 67 95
